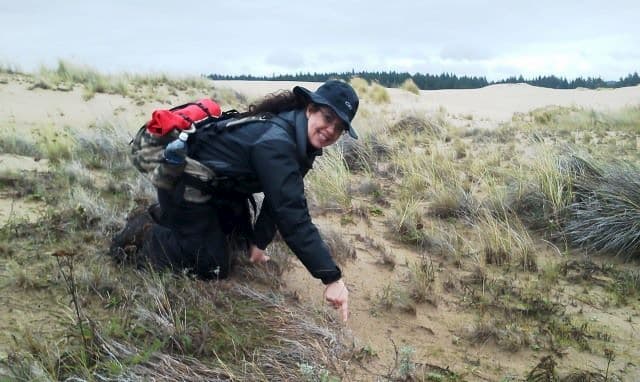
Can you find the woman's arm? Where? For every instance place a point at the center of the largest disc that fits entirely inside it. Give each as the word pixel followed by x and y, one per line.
pixel 275 163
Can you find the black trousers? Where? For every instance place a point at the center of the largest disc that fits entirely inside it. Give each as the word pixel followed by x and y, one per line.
pixel 195 236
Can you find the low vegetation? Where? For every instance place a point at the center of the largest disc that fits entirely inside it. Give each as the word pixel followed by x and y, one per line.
pixel 410 86
pixel 66 76
pixel 527 232
pixel 373 92
pixel 125 324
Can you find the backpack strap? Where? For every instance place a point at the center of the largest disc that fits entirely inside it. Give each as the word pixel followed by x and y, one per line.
pixel 226 122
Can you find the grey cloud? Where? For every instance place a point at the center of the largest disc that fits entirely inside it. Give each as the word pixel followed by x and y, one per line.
pixel 286 60
pixel 464 51
pixel 252 36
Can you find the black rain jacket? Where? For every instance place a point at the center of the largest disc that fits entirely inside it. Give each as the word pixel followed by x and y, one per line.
pixel 263 156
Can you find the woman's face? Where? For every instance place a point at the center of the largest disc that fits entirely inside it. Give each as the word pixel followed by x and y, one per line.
pixel 324 126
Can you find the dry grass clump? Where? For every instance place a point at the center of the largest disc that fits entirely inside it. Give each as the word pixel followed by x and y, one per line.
pixel 432 176
pixel 375 92
pixel 360 85
pixel 103 148
pixel 54 143
pixel 567 120
pixel 542 193
pixel 341 249
pixel 410 86
pixel 545 371
pixel 178 329
pixel 506 242
pixel 413 124
pixel 591 202
pixel 421 168
pixel 366 153
pixel 506 335
pixel 555 184
pixel 229 99
pixel 379 94
pixel 18 275
pixel 14 143
pixel 452 201
pixel 392 296
pixel 329 182
pixel 422 277
pixel 407 221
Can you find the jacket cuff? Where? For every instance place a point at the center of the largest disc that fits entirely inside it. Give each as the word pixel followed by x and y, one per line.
pixel 331 276
pixel 261 244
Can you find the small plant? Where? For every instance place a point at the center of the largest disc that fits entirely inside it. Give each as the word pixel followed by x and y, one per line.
pixel 312 373
pixel 406 366
pixel 422 277
pixel 392 296
pixel 66 260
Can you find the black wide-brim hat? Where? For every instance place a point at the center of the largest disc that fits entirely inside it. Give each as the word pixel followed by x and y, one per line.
pixel 339 96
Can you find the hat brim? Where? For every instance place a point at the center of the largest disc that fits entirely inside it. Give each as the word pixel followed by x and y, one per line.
pixel 315 98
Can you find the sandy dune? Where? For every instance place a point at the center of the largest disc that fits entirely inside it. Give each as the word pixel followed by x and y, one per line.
pixel 497 102
pixel 25 109
pixel 434 329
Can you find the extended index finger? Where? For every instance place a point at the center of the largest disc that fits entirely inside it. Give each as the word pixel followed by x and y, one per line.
pixel 345 311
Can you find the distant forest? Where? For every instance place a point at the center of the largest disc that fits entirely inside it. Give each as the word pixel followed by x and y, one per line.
pixel 442 81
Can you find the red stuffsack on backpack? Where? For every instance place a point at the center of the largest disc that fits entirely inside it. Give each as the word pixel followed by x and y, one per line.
pixel 182 117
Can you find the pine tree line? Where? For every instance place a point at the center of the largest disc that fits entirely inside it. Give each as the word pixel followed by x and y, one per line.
pixel 442 81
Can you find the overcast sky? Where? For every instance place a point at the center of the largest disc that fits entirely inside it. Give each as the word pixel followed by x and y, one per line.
pixel 495 39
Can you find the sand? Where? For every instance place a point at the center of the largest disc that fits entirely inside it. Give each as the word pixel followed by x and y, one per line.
pixel 496 102
pixel 26 109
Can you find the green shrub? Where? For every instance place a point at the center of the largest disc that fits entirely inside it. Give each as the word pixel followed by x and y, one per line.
pixel 606 214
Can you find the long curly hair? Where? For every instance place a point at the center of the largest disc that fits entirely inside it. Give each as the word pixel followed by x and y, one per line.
pixel 283 100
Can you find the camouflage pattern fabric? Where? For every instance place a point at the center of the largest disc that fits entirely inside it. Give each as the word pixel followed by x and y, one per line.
pixel 147 156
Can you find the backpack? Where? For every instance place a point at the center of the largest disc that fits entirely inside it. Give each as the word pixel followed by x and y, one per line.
pixel 148 145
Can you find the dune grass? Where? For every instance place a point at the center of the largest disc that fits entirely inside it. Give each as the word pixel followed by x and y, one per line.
pixel 140 325
pixel 604 218
pixel 455 216
pixel 328 183
pixel 410 86
pixel 374 92
pixel 67 75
